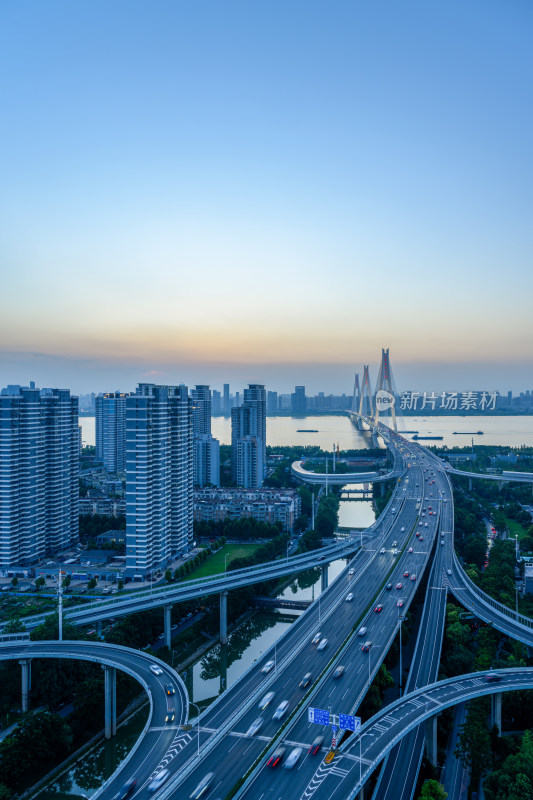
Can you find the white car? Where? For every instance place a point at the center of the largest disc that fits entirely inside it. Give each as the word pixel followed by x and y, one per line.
pixel 156 669
pixel 255 726
pixel 382 551
pixel 350 572
pixel 293 757
pixel 349 597
pixel 158 780
pixel 266 700
pixel 281 710
pixel 268 666
pixel 323 643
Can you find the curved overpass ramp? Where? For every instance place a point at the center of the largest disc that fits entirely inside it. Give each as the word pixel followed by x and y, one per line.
pixel 157 737
pixel 362 754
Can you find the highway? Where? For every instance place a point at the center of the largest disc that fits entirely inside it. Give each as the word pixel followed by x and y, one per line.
pixel 158 737
pixel 237 751
pixel 421 501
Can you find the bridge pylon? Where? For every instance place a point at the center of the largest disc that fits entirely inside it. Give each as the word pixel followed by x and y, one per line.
pixel 385 396
pixel 365 401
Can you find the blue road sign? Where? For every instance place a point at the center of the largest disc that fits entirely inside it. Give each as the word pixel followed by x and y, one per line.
pixel 319 715
pixel 349 723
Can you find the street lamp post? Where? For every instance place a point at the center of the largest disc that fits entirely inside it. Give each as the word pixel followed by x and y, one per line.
pixel 198 720
pixel 226 563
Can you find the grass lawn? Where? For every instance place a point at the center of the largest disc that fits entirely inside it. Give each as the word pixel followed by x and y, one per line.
pixel 215 563
pixel 515 528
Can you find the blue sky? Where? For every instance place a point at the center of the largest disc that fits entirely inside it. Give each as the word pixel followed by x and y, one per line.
pixel 202 191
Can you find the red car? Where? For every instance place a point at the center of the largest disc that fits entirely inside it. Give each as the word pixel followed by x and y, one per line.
pixel 315 747
pixel 399 604
pixel 276 757
pixel 406 574
pixel 378 609
pixel 398 585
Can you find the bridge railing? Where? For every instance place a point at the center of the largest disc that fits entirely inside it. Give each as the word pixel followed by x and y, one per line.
pixel 520 619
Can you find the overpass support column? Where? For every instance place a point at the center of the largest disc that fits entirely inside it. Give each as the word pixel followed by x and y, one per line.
pixel 99 628
pixel 168 626
pixel 110 690
pixel 223 617
pixel 431 739
pixel 382 485
pixel 496 712
pixel 470 484
pixel 25 664
pixel 324 577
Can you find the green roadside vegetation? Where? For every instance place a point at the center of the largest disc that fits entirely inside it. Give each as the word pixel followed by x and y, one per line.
pixel 216 562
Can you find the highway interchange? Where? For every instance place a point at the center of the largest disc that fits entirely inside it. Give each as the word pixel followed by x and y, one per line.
pixel 225 748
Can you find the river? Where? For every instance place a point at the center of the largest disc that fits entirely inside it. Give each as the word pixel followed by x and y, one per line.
pixel 510 431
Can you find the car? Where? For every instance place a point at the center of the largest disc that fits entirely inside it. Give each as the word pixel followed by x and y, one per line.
pixel 366 647
pixel 405 574
pixel 126 789
pixel 413 577
pixel 448 572
pixel 158 780
pixel 349 597
pixel 156 669
pixel 399 604
pixel 170 716
pixel 394 552
pixel 316 745
pixel 338 671
pixel 421 539
pixel 361 631
pixel 398 585
pixel 281 710
pixel 425 524
pixel 316 638
pixel 203 786
pixel 378 609
pixel 420 524
pixel 442 545
pixel 293 757
pixel 410 550
pixel 306 680
pixel 266 700
pixel 323 643
pixel 389 587
pixel 255 726
pixel 395 543
pixel 276 757
pixel 350 572
pixel 268 666
pixel 402 530
pixel 382 551
pixel 169 689
pixel 491 678
pixel 417 534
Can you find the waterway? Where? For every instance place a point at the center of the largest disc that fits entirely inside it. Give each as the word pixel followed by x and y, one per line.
pixel 511 431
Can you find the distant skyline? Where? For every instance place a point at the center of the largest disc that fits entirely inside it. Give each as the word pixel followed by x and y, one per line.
pixel 266 192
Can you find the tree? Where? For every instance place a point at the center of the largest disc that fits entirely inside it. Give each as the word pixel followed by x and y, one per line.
pixel 432 790
pixel 120 585
pixel 474 747
pixel 168 576
pixel 14 581
pixel 14 626
pixel 5 793
pixel 38 740
pixel 40 582
pixel 91 584
pixel 66 581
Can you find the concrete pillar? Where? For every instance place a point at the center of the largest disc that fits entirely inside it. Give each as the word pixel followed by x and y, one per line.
pixel 324 577
pixel 223 617
pixel 26 683
pixel 431 739
pixel 470 484
pixel 382 487
pixel 223 669
pixel 496 712
pixel 99 628
pixel 110 693
pixel 168 626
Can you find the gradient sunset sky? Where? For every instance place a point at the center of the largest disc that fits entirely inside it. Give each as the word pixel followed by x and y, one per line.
pixel 266 190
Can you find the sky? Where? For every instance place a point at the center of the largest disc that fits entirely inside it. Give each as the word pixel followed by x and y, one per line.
pixel 208 192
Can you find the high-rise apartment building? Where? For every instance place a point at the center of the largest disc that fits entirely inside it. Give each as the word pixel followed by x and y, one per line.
pixel 159 477
pixel 272 402
pixel 216 407
pixel 110 409
pixel 248 438
pixel 206 449
pixel 226 408
pixel 39 473
pixel 298 401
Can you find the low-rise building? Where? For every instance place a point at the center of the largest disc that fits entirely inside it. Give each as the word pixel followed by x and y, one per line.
pixel 528 579
pixel 263 505
pixel 102 505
